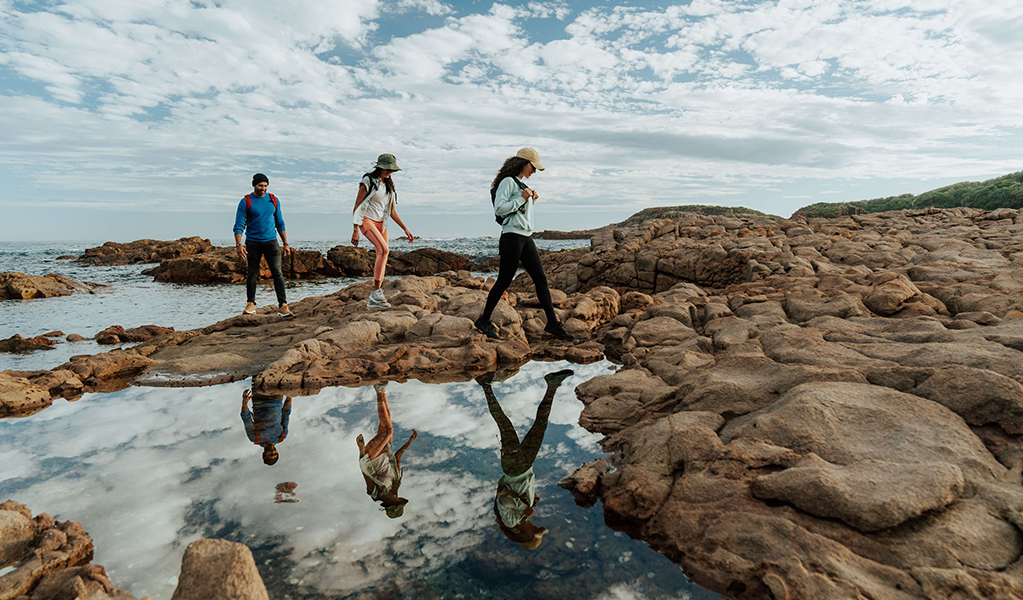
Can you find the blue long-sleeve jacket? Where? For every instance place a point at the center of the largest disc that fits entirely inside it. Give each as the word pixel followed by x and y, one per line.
pixel 262 223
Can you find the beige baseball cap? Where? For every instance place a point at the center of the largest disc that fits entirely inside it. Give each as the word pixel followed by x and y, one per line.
pixel 532 156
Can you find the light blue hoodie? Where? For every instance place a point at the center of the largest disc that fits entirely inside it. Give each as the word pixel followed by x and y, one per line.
pixel 508 201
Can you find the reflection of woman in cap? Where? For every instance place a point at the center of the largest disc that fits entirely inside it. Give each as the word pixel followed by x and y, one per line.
pixel 380 464
pixel 516 490
pixel 267 424
pixel 375 202
pixel 513 206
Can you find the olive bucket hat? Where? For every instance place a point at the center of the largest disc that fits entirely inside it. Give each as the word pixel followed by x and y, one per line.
pixel 387 162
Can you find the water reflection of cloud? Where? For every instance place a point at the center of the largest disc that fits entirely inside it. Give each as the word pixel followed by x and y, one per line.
pixel 148 470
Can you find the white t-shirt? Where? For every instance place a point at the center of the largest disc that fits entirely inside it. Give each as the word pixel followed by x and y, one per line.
pixel 375 204
pixel 510 506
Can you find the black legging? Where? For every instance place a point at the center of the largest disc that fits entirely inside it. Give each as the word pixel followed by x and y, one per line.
pixel 517 457
pixel 514 248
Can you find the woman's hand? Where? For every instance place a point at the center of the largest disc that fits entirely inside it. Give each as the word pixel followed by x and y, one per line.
pixel 411 238
pixel 355 237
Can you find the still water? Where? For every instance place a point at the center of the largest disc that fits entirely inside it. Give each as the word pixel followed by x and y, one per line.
pixel 148 470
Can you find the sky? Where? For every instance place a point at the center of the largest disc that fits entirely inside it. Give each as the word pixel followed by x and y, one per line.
pixel 129 119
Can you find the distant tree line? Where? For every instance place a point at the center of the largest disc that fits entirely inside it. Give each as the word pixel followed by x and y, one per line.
pixel 1002 192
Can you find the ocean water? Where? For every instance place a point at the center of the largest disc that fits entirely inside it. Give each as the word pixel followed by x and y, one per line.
pixel 131 299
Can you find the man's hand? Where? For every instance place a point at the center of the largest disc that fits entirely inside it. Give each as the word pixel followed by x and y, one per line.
pixel 241 252
pixel 245 399
pixel 286 250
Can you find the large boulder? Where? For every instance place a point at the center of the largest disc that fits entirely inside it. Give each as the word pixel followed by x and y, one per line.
pixel 214 568
pixel 144 251
pixel 19 286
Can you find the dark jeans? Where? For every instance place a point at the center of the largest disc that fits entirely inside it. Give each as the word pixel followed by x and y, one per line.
pixel 272 252
pixel 514 248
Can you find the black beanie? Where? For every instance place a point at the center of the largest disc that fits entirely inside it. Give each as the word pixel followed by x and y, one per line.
pixel 259 178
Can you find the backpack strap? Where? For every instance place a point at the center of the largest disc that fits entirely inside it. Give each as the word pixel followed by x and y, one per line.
pixel 248 203
pixel 493 200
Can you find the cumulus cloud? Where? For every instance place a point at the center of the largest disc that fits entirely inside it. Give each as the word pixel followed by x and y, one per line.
pixel 745 92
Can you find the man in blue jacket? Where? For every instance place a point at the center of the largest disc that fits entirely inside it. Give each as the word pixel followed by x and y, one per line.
pixel 259 217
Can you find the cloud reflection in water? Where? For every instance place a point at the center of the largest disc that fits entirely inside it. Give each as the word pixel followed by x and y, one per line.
pixel 149 470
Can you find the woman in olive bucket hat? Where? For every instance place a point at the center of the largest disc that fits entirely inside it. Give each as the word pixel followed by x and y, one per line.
pixel 374 203
pixel 513 207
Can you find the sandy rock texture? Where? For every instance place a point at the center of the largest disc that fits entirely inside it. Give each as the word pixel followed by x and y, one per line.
pixel 219 569
pixel 19 286
pixel 819 409
pixel 222 265
pixel 143 251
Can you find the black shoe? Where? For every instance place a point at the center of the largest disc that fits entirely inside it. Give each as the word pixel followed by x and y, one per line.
pixel 486 327
pixel 555 379
pixel 557 330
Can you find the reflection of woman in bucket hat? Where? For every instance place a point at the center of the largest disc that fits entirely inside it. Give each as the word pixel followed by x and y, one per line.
pixel 379 463
pixel 513 207
pixel 375 202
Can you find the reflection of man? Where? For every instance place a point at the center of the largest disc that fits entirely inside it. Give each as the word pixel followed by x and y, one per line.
pixel 267 424
pixel 516 490
pixel 380 464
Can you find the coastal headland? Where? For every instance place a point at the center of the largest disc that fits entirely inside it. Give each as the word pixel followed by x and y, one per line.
pixel 806 408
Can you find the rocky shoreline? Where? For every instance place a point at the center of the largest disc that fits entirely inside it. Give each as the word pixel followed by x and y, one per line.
pixel 805 409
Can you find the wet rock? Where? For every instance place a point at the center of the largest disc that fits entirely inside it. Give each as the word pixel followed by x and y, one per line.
pixel 115 334
pixel 74 337
pixel 213 568
pixel 20 397
pixel 19 286
pixel 16 343
pixel 46 556
pixel 144 251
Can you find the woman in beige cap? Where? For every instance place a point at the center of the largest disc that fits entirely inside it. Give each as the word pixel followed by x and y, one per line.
pixel 375 202
pixel 513 206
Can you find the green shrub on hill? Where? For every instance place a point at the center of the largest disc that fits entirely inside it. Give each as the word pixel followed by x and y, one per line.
pixel 1002 192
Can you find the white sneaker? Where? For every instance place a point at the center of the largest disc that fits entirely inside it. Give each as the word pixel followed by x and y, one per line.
pixel 377 300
